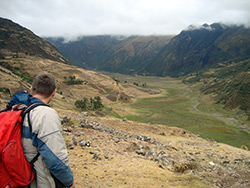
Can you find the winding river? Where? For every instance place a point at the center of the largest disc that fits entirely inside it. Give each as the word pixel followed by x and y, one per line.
pixel 218 115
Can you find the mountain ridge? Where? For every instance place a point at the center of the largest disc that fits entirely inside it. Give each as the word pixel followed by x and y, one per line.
pixel 202 48
pixel 16 39
pixel 194 49
pixel 111 53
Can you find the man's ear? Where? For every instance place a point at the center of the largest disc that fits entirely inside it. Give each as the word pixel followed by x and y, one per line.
pixel 31 90
pixel 54 93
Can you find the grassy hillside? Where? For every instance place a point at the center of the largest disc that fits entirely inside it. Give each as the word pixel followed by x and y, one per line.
pixel 15 39
pixel 230 83
pixel 18 73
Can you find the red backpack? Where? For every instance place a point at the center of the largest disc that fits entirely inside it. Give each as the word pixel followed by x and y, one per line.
pixel 16 171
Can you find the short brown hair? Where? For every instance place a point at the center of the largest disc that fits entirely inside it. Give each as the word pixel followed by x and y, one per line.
pixel 44 84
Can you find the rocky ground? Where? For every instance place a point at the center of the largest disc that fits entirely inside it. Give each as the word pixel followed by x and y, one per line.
pixel 106 152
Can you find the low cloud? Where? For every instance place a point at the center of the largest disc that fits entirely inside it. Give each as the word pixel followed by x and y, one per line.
pixel 122 17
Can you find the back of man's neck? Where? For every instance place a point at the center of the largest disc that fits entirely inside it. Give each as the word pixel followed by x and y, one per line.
pixel 45 100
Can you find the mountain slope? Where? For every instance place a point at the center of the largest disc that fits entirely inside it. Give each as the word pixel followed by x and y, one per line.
pixel 195 49
pixel 229 83
pixel 23 55
pixel 15 39
pixel 111 53
pixel 198 49
pixel 86 52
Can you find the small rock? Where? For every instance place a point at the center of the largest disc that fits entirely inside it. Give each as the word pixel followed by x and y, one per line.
pixel 247 161
pixel 96 156
pixel 240 181
pixel 64 133
pixel 237 161
pixel 211 163
pixel 67 129
pixel 106 155
pixel 226 162
pixel 191 158
pixel 85 113
pixel 143 138
pixel 88 144
pixel 117 140
pixel 162 134
pixel 86 124
pixel 74 141
pixel 82 143
pixel 66 121
pixel 79 134
pixel 141 152
pixel 70 146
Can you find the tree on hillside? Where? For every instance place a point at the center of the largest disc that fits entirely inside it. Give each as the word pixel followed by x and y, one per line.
pixel 89 104
pixel 72 80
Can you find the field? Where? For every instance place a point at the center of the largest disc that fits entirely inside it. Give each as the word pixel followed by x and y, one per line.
pixel 183 106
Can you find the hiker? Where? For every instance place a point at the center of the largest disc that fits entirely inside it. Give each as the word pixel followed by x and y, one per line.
pixel 52 166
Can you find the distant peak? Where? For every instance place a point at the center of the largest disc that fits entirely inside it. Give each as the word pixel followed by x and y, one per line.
pixel 214 26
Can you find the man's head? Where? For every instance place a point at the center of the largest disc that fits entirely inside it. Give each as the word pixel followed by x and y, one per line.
pixel 43 84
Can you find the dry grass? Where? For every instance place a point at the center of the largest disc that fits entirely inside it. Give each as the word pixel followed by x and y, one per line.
pixel 118 164
pixel 94 84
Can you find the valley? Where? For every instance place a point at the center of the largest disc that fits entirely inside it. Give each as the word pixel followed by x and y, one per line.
pixel 184 106
pixel 191 131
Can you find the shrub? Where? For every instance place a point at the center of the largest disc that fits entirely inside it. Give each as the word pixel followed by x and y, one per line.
pixel 5 90
pixel 89 104
pixel 244 147
pixel 72 81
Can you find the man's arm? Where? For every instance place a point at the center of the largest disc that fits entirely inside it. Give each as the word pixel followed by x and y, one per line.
pixel 51 146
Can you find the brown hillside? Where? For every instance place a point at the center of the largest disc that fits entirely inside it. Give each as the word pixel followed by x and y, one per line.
pixel 119 153
pixel 17 39
pixel 18 73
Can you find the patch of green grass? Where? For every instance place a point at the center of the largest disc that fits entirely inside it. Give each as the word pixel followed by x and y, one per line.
pixel 112 113
pixel 236 139
pixel 172 111
pixel 24 76
pixel 192 181
pixel 177 110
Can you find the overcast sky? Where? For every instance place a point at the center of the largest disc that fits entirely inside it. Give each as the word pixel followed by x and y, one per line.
pixel 71 18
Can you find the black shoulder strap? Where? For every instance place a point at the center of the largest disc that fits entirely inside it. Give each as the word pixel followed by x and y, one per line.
pixel 31 107
pixel 27 111
pixel 32 164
